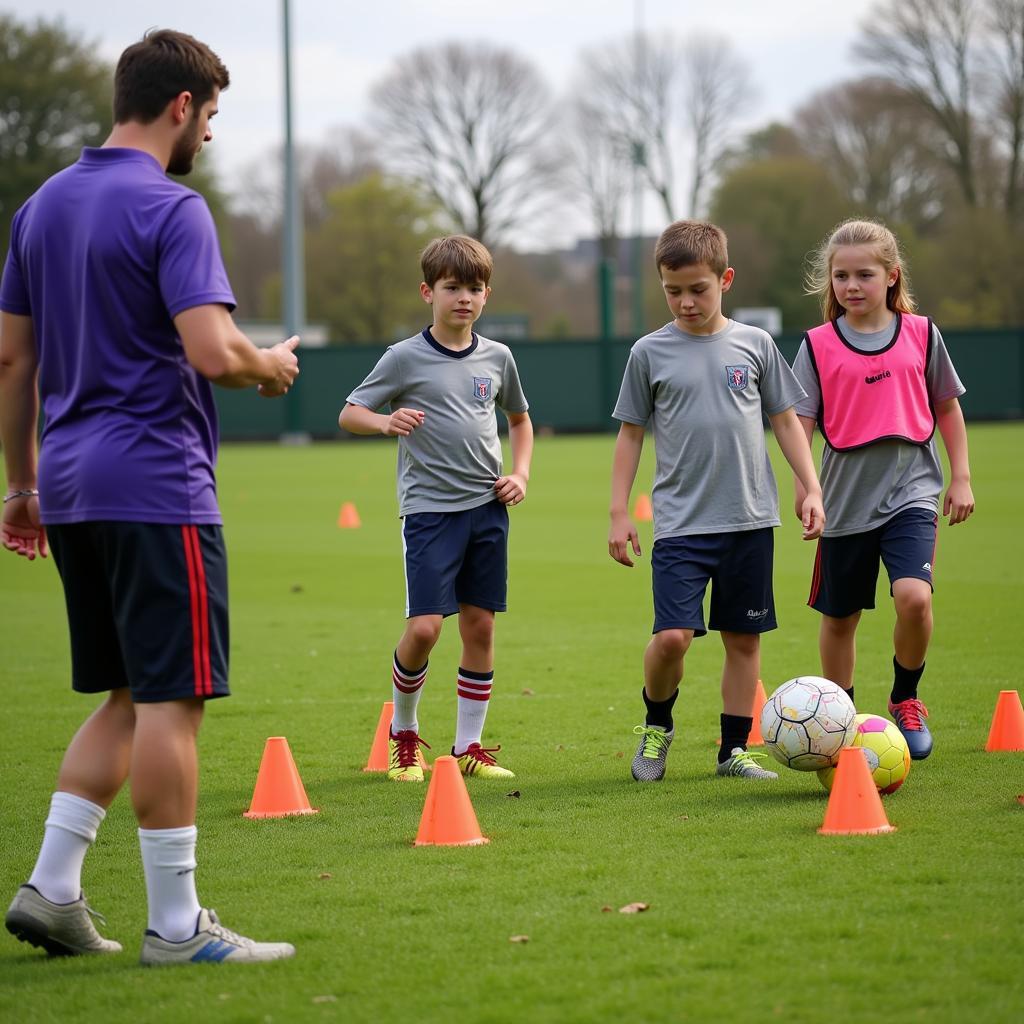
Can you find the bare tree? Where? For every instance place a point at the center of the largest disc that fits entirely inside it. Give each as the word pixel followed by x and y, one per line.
pixel 866 134
pixel 715 84
pixel 1005 22
pixel 472 124
pixel 926 46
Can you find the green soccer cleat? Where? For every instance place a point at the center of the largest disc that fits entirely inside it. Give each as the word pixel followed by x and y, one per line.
pixel 479 762
pixel 62 929
pixel 404 756
pixel 649 760
pixel 743 763
pixel 211 944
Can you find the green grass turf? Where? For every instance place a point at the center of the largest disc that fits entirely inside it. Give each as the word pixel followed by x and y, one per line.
pixel 752 913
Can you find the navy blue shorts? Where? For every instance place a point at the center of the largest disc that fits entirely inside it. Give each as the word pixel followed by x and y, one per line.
pixel 737 565
pixel 454 558
pixel 147 608
pixel 846 568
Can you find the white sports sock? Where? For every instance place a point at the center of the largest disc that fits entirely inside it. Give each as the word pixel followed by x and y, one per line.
pixel 169 862
pixel 406 689
pixel 474 695
pixel 70 830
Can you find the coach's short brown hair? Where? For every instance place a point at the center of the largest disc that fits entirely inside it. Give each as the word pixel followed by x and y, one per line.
pixel 689 242
pixel 457 256
pixel 162 65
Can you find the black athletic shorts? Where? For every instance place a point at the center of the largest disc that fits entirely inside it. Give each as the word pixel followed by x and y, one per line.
pixel 147 608
pixel 846 567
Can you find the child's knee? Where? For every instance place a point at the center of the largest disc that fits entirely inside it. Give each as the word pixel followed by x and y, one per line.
pixel 671 644
pixel 913 600
pixel 424 630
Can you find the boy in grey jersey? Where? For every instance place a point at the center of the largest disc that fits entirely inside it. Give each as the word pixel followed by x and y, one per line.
pixel 703 382
pixel 442 387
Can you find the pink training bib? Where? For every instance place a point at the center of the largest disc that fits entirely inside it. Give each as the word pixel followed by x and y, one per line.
pixel 873 396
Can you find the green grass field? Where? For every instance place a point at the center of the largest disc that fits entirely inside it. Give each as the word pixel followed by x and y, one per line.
pixel 753 915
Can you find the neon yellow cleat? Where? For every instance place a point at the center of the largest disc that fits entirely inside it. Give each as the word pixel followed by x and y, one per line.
pixel 403 756
pixel 478 761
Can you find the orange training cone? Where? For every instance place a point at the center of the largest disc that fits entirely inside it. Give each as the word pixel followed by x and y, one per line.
pixel 279 791
pixel 1007 732
pixel 642 510
pixel 348 517
pixel 448 818
pixel 755 739
pixel 854 806
pixel 378 759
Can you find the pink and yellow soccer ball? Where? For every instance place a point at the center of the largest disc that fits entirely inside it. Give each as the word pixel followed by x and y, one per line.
pixel 806 722
pixel 887 753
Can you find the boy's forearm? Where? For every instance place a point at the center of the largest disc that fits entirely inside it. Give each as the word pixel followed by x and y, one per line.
pixel 628 447
pixel 19 401
pixel 520 439
pixel 950 419
pixel 357 419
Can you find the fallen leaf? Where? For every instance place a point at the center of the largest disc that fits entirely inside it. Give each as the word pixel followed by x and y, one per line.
pixel 634 908
pixel 684 817
pixel 296 588
pixel 514 795
pixel 325 999
pixel 561 746
pixel 1020 799
pixel 527 692
pixel 519 938
pixel 606 909
pixel 326 874
pixel 619 753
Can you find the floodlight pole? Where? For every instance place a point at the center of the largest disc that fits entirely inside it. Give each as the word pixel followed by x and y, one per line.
pixel 639 159
pixel 293 268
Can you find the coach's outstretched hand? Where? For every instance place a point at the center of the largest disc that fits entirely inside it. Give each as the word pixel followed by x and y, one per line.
pixel 21 531
pixel 621 536
pixel 286 368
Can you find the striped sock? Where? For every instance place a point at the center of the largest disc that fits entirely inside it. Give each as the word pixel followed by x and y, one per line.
pixel 405 693
pixel 474 694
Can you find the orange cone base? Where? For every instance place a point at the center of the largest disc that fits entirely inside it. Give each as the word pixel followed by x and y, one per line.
pixel 378 759
pixel 348 517
pixel 755 739
pixel 279 792
pixel 854 806
pixel 642 510
pixel 1007 732
pixel 448 817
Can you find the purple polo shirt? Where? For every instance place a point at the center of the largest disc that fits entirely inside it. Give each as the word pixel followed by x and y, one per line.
pixel 102 258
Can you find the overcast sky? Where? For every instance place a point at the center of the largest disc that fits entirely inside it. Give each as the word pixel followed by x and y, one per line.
pixel 341 48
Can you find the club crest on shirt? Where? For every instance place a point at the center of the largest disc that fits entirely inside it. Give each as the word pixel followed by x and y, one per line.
pixel 482 388
pixel 737 377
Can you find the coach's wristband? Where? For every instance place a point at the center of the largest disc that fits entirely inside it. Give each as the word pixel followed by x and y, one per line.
pixel 20 494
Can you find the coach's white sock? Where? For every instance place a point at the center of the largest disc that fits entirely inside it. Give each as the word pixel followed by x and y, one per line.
pixel 406 689
pixel 70 830
pixel 169 862
pixel 474 696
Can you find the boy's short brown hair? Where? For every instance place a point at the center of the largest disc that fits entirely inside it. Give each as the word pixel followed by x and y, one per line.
pixel 162 65
pixel 457 256
pixel 689 242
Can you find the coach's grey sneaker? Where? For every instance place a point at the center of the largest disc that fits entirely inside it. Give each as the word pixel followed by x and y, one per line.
pixel 211 944
pixel 744 763
pixel 62 929
pixel 649 759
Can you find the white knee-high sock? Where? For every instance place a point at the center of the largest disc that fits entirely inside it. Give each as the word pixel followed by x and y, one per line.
pixel 169 862
pixel 406 689
pixel 474 695
pixel 70 830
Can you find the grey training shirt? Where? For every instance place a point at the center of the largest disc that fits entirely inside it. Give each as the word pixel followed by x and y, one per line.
pixel 703 397
pixel 451 462
pixel 866 487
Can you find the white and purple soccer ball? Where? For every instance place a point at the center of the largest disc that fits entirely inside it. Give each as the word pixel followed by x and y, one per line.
pixel 806 722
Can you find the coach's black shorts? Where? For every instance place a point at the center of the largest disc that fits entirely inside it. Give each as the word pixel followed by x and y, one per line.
pixel 846 568
pixel 737 565
pixel 454 558
pixel 147 608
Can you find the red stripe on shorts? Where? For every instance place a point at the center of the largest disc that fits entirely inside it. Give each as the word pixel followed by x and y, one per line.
pixel 200 612
pixel 816 575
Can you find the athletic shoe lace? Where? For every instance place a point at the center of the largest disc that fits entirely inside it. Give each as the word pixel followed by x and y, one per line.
pixel 226 934
pixel 481 754
pixel 655 740
pixel 749 757
pixel 408 745
pixel 92 913
pixel 908 713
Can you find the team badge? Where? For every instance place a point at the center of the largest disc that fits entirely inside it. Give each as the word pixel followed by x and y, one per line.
pixel 482 388
pixel 738 377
